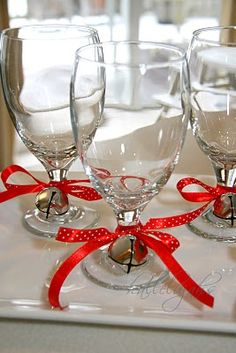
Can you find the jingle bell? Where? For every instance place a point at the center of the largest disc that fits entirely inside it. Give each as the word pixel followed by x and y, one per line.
pixel 128 252
pixel 225 208
pixel 52 201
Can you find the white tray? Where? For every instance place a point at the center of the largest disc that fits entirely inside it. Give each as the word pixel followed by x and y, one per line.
pixel 26 262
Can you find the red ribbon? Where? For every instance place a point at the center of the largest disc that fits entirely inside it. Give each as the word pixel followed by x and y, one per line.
pixel 211 194
pixel 163 244
pixel 158 241
pixel 67 186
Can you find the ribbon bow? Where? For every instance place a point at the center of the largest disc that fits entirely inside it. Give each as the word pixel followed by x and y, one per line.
pixel 211 194
pixel 67 186
pixel 163 244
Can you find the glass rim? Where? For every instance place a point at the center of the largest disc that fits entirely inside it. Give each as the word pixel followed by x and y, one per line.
pixel 164 63
pixel 9 32
pixel 196 34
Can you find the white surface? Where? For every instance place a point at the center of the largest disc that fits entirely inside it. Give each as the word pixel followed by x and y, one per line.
pixel 41 337
pixel 26 262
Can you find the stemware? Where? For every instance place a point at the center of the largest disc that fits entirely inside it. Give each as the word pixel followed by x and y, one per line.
pixel 212 66
pixel 36 65
pixel 129 108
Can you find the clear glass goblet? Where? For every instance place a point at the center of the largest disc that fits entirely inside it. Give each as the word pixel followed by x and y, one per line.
pixel 212 65
pixel 36 65
pixel 129 106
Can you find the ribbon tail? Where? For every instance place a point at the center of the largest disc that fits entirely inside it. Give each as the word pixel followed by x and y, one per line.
pixel 179 273
pixel 70 235
pixel 174 221
pixel 68 265
pixel 9 194
pixel 23 190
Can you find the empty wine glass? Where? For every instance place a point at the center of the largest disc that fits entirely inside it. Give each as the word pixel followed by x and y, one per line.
pixel 36 64
pixel 129 106
pixel 212 64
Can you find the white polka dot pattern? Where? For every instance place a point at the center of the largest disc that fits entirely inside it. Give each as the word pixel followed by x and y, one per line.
pixel 83 192
pixel 71 235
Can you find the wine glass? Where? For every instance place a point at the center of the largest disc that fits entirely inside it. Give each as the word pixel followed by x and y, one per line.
pixel 129 107
pixel 212 66
pixel 36 64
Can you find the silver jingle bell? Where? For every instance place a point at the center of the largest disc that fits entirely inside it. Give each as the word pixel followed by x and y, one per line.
pixel 128 251
pixel 52 201
pixel 225 208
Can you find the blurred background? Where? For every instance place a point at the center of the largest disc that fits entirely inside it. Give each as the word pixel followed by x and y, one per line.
pixel 170 21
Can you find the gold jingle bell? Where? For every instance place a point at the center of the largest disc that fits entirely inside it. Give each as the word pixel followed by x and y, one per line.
pixel 225 208
pixel 52 201
pixel 128 251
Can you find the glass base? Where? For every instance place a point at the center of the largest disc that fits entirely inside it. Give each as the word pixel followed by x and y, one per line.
pixel 103 271
pixel 212 227
pixel 76 217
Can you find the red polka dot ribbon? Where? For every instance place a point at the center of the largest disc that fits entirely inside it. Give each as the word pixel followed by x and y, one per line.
pixel 163 244
pixel 70 187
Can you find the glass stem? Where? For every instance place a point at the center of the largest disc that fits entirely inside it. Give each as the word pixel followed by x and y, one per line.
pixel 128 218
pixel 226 176
pixel 225 208
pixel 58 174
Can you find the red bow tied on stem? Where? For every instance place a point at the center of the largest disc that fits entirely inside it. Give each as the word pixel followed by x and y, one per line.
pixel 211 193
pixel 163 244
pixel 67 186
